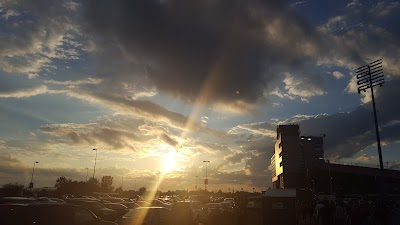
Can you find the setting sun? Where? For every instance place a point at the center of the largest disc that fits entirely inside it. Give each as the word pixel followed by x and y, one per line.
pixel 169 162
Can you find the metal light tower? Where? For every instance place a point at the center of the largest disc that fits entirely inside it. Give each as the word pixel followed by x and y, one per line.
pixel 369 76
pixel 95 159
pixel 33 171
pixel 206 180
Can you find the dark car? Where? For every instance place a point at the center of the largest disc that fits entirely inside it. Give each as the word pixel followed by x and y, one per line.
pixel 146 216
pixel 96 207
pixel 48 214
pixel 121 209
pixel 5 200
pixel 130 205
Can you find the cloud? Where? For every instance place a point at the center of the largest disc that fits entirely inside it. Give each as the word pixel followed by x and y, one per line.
pixel 338 75
pixel 10 13
pixel 38 39
pixel 351 132
pixel 383 9
pixel 24 92
pixel 354 4
pixel 231 54
pixel 350 41
pixel 303 88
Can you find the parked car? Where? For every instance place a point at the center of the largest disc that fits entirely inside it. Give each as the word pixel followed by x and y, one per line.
pixel 45 213
pixel 97 208
pixel 112 200
pixel 196 207
pixel 209 212
pixel 146 216
pixel 121 209
pixel 143 203
pixel 182 213
pixel 158 203
pixel 130 205
pixel 5 200
pixel 227 207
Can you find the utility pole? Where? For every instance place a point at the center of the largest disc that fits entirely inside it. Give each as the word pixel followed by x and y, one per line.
pixel 196 182
pixel 95 159
pixel 206 180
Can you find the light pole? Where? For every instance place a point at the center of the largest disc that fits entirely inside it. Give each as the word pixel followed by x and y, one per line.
pixel 95 159
pixel 158 180
pixel 206 180
pixel 196 182
pixel 369 76
pixel 33 171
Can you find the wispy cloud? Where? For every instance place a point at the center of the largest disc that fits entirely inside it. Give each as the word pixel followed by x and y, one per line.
pixel 24 92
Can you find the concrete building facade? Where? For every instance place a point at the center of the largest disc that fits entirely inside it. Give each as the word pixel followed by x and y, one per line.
pixel 294 157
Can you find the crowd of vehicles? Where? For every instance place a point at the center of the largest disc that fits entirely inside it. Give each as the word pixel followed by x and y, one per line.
pixel 89 210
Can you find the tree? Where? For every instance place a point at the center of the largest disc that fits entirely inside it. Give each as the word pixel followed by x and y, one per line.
pixel 106 184
pixel 93 185
pixel 62 182
pixel 142 190
pixel 119 190
pixel 12 189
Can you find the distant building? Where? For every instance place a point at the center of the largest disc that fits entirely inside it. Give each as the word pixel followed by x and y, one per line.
pixel 298 162
pixel 294 157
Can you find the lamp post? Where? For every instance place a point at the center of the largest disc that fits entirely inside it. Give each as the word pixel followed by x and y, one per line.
pixel 33 171
pixel 95 159
pixel 196 182
pixel 158 181
pixel 206 180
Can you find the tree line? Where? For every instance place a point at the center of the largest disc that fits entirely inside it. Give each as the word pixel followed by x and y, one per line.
pixel 65 186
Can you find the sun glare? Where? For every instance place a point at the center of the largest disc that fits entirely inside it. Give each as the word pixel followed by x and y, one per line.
pixel 169 162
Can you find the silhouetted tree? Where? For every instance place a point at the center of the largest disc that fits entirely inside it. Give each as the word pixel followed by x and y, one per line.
pixel 119 190
pixel 68 186
pixel 12 189
pixel 142 190
pixel 62 182
pixel 106 184
pixel 93 185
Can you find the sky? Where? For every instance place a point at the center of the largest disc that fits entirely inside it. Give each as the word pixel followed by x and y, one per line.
pixel 159 86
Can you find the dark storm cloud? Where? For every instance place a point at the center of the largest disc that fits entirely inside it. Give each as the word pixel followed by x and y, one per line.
pixel 348 133
pixel 182 45
pixel 169 140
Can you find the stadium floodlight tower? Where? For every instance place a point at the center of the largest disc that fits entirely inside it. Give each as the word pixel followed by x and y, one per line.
pixel 369 76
